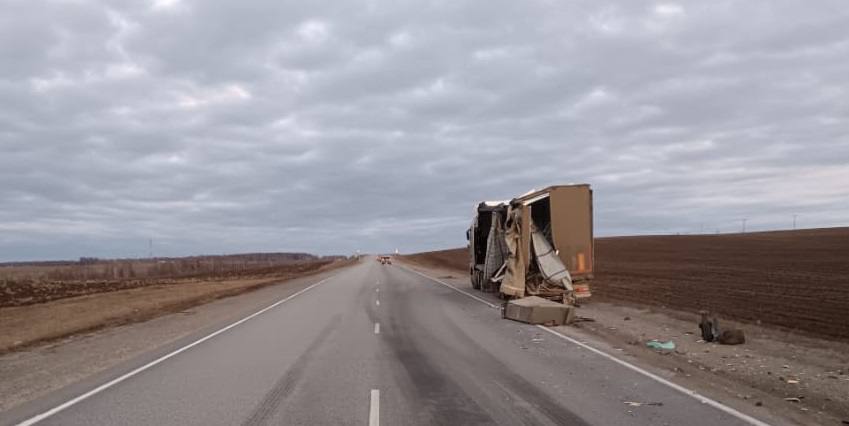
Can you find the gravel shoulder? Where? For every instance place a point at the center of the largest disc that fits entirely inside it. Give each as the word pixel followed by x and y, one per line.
pixel 59 367
pixel 755 377
pixel 804 378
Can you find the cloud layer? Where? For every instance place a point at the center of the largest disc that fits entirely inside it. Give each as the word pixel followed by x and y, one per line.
pixel 329 127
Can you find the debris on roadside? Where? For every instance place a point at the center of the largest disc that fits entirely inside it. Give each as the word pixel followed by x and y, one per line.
pixel 813 372
pixel 658 345
pixel 640 404
pixel 709 326
pixel 732 337
pixel 793 399
pixel 536 310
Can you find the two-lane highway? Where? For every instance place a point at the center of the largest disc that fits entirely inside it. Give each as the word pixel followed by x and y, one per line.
pixel 377 344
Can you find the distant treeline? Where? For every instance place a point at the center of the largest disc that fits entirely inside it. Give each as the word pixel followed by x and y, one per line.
pixel 89 268
pixel 95 260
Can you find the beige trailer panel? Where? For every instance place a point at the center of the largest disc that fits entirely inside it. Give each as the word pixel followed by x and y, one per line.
pixel 572 228
pixel 571 225
pixel 563 215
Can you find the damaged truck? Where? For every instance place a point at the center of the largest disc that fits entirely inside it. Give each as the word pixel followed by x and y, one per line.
pixel 538 244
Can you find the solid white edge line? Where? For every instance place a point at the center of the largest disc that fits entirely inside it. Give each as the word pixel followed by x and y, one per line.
pixel 374 408
pixel 701 398
pixel 492 305
pixel 377 328
pixel 35 419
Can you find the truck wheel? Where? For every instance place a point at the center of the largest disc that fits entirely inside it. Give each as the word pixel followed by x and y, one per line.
pixel 476 280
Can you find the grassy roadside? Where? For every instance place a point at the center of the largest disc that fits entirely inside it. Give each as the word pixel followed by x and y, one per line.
pixel 25 326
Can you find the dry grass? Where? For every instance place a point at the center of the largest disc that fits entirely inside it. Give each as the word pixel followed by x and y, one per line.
pixel 23 326
pixel 39 282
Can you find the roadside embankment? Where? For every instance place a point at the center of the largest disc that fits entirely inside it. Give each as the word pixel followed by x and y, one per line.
pixel 23 326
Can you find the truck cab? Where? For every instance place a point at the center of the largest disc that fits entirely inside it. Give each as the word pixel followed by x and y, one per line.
pixel 488 219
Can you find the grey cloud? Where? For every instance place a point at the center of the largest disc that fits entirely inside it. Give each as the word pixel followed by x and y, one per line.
pixel 328 127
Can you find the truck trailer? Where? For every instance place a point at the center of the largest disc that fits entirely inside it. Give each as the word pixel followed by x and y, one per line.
pixel 537 244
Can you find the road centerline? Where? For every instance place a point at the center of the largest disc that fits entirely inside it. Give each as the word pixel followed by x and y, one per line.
pixel 374 408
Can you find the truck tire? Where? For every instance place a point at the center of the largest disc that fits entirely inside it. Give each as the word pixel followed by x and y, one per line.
pixel 476 279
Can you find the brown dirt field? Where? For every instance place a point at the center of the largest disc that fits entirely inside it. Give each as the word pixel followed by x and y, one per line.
pixel 17 291
pixel 795 280
pixel 792 280
pixel 457 259
pixel 22 326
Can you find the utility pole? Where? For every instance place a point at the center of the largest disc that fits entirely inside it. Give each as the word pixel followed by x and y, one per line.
pixel 794 221
pixel 744 225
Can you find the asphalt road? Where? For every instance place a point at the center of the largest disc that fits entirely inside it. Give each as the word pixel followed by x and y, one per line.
pixel 376 344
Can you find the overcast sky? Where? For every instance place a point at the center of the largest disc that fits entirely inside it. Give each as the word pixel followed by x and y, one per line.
pixel 327 127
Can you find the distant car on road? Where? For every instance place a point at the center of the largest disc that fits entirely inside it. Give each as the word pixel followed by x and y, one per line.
pixel 384 260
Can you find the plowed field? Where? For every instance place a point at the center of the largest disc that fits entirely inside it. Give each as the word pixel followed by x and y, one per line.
pixel 794 280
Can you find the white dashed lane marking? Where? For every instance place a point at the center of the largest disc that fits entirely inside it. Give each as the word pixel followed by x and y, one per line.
pixel 374 409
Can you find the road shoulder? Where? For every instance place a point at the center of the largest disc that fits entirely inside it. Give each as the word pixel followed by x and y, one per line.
pixel 61 368
pixel 728 374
